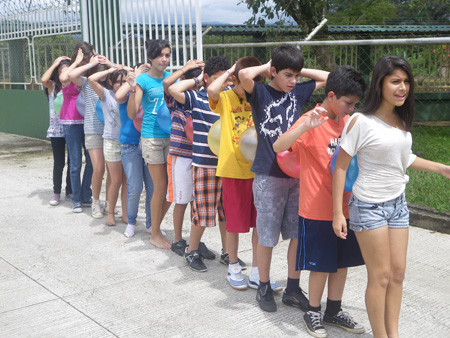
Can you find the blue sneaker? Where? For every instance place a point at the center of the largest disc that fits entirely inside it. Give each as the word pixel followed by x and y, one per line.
pixel 253 282
pixel 235 278
pixel 76 208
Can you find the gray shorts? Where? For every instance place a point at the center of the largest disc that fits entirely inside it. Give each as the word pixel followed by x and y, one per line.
pixel 276 202
pixel 155 150
pixel 93 141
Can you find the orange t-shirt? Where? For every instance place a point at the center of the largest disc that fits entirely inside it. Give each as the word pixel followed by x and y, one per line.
pixel 315 148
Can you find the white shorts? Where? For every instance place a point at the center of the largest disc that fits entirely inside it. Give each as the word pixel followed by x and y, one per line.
pixel 111 150
pixel 179 172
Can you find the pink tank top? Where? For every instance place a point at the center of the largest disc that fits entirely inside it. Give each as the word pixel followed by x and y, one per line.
pixel 69 113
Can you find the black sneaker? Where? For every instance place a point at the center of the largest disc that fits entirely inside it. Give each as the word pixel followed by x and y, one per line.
pixel 264 296
pixel 179 247
pixel 314 324
pixel 86 203
pixel 195 261
pixel 205 252
pixel 344 321
pixel 296 299
pixel 225 259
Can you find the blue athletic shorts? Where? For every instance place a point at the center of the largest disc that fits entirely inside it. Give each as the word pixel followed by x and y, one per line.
pixel 320 250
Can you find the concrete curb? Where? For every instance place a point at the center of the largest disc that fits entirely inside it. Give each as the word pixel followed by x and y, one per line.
pixel 428 218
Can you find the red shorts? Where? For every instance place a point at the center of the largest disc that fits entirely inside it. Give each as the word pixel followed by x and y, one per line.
pixel 238 204
pixel 207 197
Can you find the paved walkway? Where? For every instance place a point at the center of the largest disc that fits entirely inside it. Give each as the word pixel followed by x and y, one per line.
pixel 68 275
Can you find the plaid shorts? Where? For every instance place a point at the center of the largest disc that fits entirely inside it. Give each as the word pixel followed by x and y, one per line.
pixel 111 150
pixel 207 197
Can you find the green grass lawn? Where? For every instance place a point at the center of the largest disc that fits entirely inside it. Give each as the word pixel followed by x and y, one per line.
pixel 424 188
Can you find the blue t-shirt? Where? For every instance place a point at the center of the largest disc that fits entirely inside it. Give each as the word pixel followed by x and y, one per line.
pixel 202 119
pixel 152 100
pixel 274 112
pixel 128 132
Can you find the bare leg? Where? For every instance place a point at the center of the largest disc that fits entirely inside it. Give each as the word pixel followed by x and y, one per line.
pixel 196 236
pixel 336 284
pixel 317 282
pixel 178 217
pixel 158 205
pixel 264 257
pixel 255 248
pixel 292 259
pixel 232 246
pixel 98 164
pixel 375 250
pixel 115 170
pixel 398 239
pixel 108 183
pixel 223 235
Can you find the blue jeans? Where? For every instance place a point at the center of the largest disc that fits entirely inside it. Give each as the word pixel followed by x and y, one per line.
pixel 74 135
pixel 136 172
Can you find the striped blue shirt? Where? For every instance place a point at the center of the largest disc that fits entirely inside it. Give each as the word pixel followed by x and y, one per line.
pixel 203 118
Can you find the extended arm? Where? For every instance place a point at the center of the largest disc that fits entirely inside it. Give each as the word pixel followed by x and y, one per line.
pixel 320 76
pixel 96 86
pixel 340 171
pixel 434 167
pixel 247 75
pixel 64 76
pixel 313 120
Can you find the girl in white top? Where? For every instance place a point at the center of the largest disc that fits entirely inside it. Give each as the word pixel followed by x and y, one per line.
pixel 116 77
pixel 379 136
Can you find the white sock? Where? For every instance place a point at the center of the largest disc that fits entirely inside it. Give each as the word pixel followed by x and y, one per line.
pixel 255 271
pixel 231 266
pixel 129 231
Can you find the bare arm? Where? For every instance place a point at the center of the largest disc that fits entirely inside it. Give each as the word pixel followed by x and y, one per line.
pixel 247 75
pixel 340 171
pixel 64 76
pixel 320 76
pixel 45 79
pixel 96 86
pixel 170 80
pixel 285 141
pixel 177 89
pixel 215 87
pixel 434 167
pixel 134 100
pixel 121 95
pixel 76 74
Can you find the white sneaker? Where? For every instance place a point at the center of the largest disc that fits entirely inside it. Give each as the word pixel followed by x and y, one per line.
pixel 235 278
pixel 55 200
pixel 96 209
pixel 253 282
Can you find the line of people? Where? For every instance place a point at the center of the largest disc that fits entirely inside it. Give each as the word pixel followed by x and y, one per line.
pixel 329 230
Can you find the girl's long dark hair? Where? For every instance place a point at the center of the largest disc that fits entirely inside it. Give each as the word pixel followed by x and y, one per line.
pixel 384 67
pixel 55 78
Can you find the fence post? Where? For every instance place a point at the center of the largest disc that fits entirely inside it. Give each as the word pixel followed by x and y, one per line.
pixel 17 62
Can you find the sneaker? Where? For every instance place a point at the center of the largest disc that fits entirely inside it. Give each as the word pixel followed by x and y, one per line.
pixel 87 203
pixel 179 247
pixel 55 200
pixel 235 278
pixel 265 299
pixel 344 321
pixel 77 207
pixel 314 324
pixel 296 299
pixel 195 261
pixel 205 252
pixel 253 282
pixel 225 259
pixel 96 209
pixel 69 197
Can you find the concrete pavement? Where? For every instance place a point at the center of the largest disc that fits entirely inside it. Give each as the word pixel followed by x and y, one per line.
pixel 69 275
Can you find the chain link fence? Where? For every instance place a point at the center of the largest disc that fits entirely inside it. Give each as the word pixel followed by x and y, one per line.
pixel 430 64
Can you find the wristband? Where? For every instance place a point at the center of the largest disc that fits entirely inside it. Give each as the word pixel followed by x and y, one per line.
pixel 228 72
pixel 181 70
pixel 90 66
pixel 197 81
pixel 132 91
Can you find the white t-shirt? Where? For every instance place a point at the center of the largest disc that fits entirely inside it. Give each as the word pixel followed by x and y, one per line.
pixel 383 154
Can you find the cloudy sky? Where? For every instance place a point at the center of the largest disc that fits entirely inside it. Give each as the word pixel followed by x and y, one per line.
pixel 224 11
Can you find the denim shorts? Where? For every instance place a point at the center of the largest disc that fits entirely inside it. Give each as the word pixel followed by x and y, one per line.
pixel 368 216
